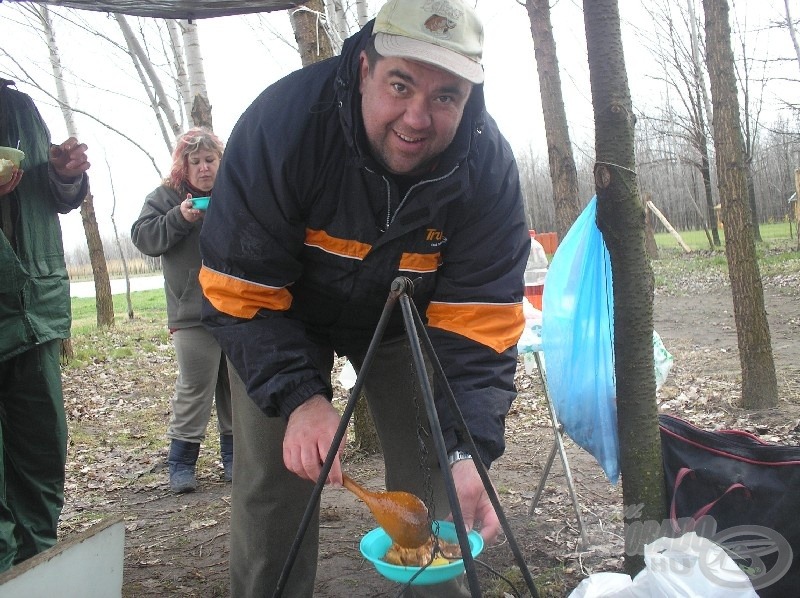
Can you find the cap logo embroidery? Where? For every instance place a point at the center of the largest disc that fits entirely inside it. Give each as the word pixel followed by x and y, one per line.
pixel 439 25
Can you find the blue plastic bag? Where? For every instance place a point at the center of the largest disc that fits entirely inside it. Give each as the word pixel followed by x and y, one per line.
pixel 578 341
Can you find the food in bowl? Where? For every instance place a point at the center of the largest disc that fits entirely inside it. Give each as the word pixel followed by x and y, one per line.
pixel 6 170
pixel 375 544
pixel 9 158
pixel 443 552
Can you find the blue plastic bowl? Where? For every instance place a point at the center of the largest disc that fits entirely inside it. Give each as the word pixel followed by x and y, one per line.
pixel 200 203
pixel 375 544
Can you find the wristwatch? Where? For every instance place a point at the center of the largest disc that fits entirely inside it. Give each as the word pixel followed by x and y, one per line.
pixel 457 456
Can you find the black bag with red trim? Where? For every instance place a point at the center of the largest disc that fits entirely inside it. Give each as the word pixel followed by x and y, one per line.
pixel 750 489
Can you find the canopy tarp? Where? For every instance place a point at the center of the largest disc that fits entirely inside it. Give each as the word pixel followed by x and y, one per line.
pixel 177 9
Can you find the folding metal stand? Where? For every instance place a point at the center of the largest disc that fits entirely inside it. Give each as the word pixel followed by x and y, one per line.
pixel 558 446
pixel 401 290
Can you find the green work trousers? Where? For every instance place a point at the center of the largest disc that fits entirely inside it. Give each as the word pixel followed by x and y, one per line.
pixel 33 429
pixel 268 501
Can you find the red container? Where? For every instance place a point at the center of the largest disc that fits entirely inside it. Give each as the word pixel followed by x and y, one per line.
pixel 548 240
pixel 533 292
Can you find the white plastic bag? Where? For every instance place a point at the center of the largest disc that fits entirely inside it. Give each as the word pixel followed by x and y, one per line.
pixel 689 566
pixel 662 360
pixel 347 377
pixel 536 269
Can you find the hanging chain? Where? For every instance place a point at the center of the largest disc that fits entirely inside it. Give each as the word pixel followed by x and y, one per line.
pixel 423 437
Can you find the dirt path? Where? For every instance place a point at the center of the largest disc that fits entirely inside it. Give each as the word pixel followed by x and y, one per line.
pixel 178 545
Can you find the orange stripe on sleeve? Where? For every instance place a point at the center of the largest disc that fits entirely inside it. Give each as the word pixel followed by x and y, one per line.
pixel 420 262
pixel 496 325
pixel 342 247
pixel 240 298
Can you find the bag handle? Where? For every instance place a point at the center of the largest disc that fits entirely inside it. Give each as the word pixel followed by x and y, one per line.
pixel 702 511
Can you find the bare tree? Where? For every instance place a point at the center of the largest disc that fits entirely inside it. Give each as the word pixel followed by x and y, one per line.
pixel 563 174
pixel 759 384
pixel 792 32
pixel 118 243
pixel 152 83
pixel 620 217
pixel 313 40
pixel 684 77
pixel 201 107
pixel 102 284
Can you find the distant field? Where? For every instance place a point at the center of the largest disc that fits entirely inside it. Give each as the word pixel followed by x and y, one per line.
pixel 697 240
pixel 148 305
pixel 136 267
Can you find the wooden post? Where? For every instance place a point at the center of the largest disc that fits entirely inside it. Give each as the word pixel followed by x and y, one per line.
pixel 649 237
pixel 669 227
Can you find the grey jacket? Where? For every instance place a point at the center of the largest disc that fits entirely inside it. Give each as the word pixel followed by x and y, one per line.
pixel 161 230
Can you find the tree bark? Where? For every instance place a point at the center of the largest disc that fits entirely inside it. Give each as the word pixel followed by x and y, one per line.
pixel 759 384
pixel 102 284
pixel 314 45
pixel 621 219
pixel 563 173
pixel 313 42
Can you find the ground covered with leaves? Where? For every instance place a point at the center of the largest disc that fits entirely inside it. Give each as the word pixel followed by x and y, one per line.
pixel 117 396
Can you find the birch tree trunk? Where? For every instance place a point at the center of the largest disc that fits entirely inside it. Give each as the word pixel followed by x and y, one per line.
pixel 160 98
pixel 361 12
pixel 621 219
pixel 181 76
pixel 201 107
pixel 792 32
pixel 102 284
pixel 759 384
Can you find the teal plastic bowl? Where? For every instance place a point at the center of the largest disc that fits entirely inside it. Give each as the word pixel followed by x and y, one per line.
pixel 200 203
pixel 375 544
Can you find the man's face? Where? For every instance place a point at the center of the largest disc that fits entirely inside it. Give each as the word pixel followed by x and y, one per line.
pixel 411 112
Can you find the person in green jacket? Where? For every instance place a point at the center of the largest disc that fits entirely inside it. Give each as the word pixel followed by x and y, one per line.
pixel 35 317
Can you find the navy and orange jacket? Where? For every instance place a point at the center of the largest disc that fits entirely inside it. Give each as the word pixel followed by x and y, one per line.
pixel 305 234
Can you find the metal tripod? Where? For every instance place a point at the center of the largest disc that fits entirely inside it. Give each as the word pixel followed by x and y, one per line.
pixel 402 289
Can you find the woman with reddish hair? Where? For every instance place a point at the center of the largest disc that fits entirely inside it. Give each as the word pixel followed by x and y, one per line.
pixel 169 226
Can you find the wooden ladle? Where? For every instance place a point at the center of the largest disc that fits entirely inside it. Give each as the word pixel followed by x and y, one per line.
pixel 403 516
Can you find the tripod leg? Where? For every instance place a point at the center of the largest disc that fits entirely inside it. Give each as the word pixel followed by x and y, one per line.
pixel 545 473
pixel 559 443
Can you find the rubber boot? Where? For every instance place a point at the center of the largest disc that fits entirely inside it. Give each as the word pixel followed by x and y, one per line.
pixel 182 461
pixel 226 453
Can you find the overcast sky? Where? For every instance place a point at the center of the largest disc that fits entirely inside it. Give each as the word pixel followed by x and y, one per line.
pixel 241 57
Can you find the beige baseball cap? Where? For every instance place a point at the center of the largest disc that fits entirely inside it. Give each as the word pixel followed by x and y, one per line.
pixel 444 33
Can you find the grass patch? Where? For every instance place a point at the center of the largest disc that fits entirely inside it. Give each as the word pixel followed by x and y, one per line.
pixel 771 234
pixel 147 305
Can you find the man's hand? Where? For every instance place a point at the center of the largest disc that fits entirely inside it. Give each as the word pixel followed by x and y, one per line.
pixel 69 159
pixel 11 184
pixel 308 439
pixel 476 508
